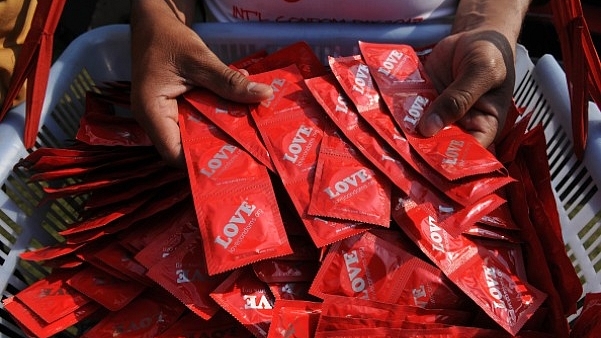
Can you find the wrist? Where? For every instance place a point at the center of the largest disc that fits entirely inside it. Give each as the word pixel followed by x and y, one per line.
pixel 501 16
pixel 156 10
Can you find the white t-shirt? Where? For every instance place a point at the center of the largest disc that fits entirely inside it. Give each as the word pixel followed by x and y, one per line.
pixel 387 11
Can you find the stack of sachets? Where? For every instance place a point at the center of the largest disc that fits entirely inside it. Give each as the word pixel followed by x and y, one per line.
pixel 320 212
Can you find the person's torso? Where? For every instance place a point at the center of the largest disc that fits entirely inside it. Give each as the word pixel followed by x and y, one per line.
pixel 388 11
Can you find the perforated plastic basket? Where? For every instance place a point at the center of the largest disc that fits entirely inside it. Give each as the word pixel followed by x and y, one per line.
pixel 103 54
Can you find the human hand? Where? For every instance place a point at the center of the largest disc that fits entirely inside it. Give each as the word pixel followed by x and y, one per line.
pixel 168 59
pixel 474 73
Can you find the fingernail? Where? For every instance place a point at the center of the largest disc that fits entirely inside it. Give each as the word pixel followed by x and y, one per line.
pixel 258 88
pixel 432 126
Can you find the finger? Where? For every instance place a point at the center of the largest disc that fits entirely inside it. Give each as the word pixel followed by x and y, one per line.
pixel 486 65
pixel 483 126
pixel 453 102
pixel 160 122
pixel 228 83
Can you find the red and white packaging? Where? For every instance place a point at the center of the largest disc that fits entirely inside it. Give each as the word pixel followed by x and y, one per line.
pixel 428 287
pixel 293 318
pixel 285 271
pixel 105 289
pixel 355 79
pixel 298 53
pixel 235 203
pixel 363 266
pixel 184 274
pixel 134 189
pixel 146 316
pixel 222 325
pixel 184 225
pixel 116 260
pixel 51 298
pixel 247 299
pixel 421 193
pixel 291 124
pixel 35 326
pixel 291 291
pixel 233 118
pixel 493 283
pixel 406 90
pixel 347 187
pixel 139 237
pixel 339 306
pixel 100 126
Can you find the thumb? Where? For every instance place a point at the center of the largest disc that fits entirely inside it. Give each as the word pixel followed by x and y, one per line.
pixel 454 102
pixel 234 85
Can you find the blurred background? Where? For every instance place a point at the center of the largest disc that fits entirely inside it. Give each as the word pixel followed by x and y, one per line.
pixel 538 34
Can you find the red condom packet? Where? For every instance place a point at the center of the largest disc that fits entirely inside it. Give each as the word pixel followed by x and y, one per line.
pixel 291 291
pixel 247 299
pixel 484 275
pixel 51 298
pixel 291 123
pixel 285 271
pixel 37 327
pixel 355 79
pixel 233 118
pixel 182 225
pixel 436 332
pixel 363 266
pixel 146 316
pixel 99 126
pixel 588 323
pixel 294 319
pixel 105 289
pixel 184 274
pixel 221 325
pixel 340 306
pixel 138 238
pixel 346 187
pixel 407 91
pixel 298 53
pixel 235 203
pixel 135 189
pixel 429 288
pixel 423 195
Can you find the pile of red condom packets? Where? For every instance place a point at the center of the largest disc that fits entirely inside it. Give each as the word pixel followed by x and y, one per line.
pixel 320 212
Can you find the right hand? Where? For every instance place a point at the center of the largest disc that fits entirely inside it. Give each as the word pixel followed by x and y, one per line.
pixel 168 59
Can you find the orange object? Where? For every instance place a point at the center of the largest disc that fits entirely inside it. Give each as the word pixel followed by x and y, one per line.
pixel 34 64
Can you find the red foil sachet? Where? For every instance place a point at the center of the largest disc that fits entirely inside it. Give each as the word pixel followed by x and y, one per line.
pixel 294 318
pixel 346 187
pixel 248 299
pixel 487 278
pixel 355 79
pixel 406 90
pixel 291 124
pixel 51 298
pixel 221 325
pixel 33 325
pixel 421 192
pixel 363 266
pixel 184 274
pixel 146 316
pixel 234 119
pixel 105 289
pixel 235 203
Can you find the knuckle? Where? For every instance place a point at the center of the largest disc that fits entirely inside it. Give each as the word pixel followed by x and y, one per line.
pixel 458 103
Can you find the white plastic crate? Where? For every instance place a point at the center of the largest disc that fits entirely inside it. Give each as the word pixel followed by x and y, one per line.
pixel 104 54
